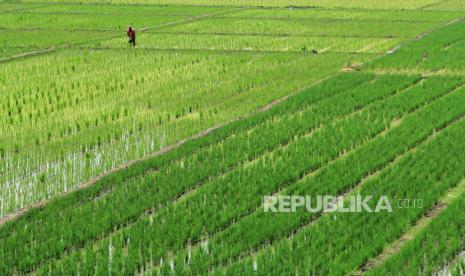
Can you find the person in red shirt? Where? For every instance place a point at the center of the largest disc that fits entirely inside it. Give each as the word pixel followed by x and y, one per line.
pixel 132 36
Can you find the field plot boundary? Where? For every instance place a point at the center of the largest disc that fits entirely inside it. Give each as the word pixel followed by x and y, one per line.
pixel 393 248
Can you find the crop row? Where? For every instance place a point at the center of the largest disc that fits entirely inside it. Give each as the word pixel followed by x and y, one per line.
pixel 332 28
pixel 258 43
pixel 6 7
pixel 346 14
pixel 353 237
pixel 188 172
pixel 267 174
pixel 93 121
pixel 434 247
pixel 78 21
pixel 95 8
pixel 346 4
pixel 307 14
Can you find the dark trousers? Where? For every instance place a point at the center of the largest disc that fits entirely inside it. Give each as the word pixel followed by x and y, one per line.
pixel 132 41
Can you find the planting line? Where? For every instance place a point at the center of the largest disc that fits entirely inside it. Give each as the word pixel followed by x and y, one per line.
pixel 422 72
pixel 253 34
pixel 354 190
pixel 149 213
pixel 76 3
pixel 451 196
pixel 187 115
pixel 222 51
pixel 41 204
pixel 433 4
pixel 261 18
pixel 104 13
pixel 424 34
pixel 303 89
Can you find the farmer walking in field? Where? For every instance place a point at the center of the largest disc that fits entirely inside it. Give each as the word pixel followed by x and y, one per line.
pixel 132 36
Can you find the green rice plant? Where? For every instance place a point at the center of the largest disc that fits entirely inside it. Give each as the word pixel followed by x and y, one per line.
pixel 294 27
pixel 104 8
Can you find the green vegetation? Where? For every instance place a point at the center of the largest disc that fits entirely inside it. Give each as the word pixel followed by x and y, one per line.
pixel 364 98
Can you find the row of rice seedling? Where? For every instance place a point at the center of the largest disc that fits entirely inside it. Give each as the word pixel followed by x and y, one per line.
pixel 261 166
pixel 178 175
pixel 334 179
pixel 426 174
pixel 83 21
pixel 98 120
pixel 438 246
pixel 105 8
pixel 24 40
pixel 347 14
pixel 293 27
pixel 9 6
pixel 365 4
pixel 226 42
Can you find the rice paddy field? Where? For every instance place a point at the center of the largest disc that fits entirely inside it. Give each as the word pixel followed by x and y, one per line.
pixel 158 159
